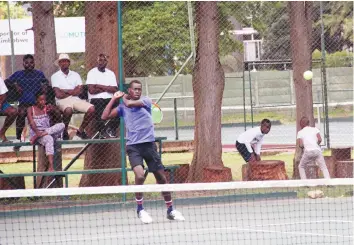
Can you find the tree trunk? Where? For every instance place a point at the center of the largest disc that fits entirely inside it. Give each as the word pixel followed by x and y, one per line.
pixel 43 164
pixel 101 156
pixel 101 37
pixel 101 33
pixel 300 40
pixel 267 170
pixel 45 46
pixel 208 88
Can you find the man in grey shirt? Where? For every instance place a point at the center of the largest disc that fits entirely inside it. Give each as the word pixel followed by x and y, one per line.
pixel 141 146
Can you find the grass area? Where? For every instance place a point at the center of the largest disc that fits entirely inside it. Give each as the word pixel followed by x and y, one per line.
pixel 230 159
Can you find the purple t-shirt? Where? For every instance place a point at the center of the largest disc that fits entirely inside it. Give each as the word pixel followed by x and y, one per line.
pixel 138 122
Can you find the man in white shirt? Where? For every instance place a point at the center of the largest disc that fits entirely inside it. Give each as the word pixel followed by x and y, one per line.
pixel 102 84
pixel 249 143
pixel 67 86
pixel 7 110
pixel 309 138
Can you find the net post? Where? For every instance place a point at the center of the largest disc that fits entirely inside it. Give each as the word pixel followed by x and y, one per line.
pixel 121 88
pixel 66 181
pixel 175 117
pixel 34 167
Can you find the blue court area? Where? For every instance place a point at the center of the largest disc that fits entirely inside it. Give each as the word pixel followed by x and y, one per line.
pixel 283 220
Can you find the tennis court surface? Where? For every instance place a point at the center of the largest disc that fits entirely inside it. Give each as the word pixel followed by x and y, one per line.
pixel 268 212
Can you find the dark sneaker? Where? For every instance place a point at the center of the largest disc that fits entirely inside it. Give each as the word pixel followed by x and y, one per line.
pixel 111 133
pixel 16 149
pixel 107 134
pixel 82 135
pixel 65 135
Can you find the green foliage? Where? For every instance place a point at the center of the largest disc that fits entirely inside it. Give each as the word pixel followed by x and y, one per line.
pixel 339 18
pixel 16 11
pixel 68 9
pixel 154 36
pixel 157 40
pixel 337 59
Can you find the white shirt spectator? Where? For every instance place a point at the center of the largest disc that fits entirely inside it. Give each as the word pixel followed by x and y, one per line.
pixel 3 88
pixel 63 81
pixel 106 78
pixel 309 138
pixel 251 137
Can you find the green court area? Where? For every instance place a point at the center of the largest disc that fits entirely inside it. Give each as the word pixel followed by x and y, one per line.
pixel 232 160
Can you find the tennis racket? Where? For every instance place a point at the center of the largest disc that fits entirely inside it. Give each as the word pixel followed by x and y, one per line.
pixel 156 113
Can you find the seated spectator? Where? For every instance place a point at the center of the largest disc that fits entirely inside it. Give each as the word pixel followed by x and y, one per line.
pixel 67 86
pixel 41 130
pixel 102 84
pixel 28 83
pixel 7 110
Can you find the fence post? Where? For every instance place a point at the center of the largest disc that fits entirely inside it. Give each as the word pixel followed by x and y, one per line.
pixel 175 117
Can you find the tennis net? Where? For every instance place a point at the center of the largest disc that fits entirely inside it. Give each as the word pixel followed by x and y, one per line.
pixel 260 212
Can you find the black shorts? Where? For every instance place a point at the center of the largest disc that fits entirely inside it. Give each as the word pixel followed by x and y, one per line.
pixel 242 149
pixel 145 151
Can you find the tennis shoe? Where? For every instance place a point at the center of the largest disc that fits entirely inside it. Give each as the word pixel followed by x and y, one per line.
pixel 144 217
pixel 175 215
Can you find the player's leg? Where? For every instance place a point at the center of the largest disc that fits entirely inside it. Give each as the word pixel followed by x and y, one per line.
pixel 11 114
pixel 153 160
pixel 136 163
pixel 242 149
pixel 66 107
pixel 89 110
pixel 21 120
pixel 48 142
pixel 306 158
pixel 322 164
pixel 56 130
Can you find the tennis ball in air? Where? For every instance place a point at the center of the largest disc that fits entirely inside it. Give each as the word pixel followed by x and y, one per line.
pixel 308 75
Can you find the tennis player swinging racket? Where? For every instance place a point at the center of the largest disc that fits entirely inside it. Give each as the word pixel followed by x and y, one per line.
pixel 137 113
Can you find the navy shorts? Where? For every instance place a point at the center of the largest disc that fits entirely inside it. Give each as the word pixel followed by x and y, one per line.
pixel 242 149
pixel 145 151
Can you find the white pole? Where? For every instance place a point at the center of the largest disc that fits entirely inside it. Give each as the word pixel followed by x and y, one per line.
pixel 318 117
pixel 11 39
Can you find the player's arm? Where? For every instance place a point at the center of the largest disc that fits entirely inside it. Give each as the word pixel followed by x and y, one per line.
pixel 132 103
pixel 76 91
pixel 44 83
pixel 92 85
pixel 109 112
pixel 319 138
pixel 31 121
pixel 60 93
pixel 108 89
pixel 258 150
pixel 299 140
pixel 2 99
pixel 12 81
pixel 251 150
pixel 94 89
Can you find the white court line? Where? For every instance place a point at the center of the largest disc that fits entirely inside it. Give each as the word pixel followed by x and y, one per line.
pixel 305 222
pixel 155 233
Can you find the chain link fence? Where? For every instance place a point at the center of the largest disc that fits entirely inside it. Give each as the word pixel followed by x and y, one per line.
pixel 159 49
